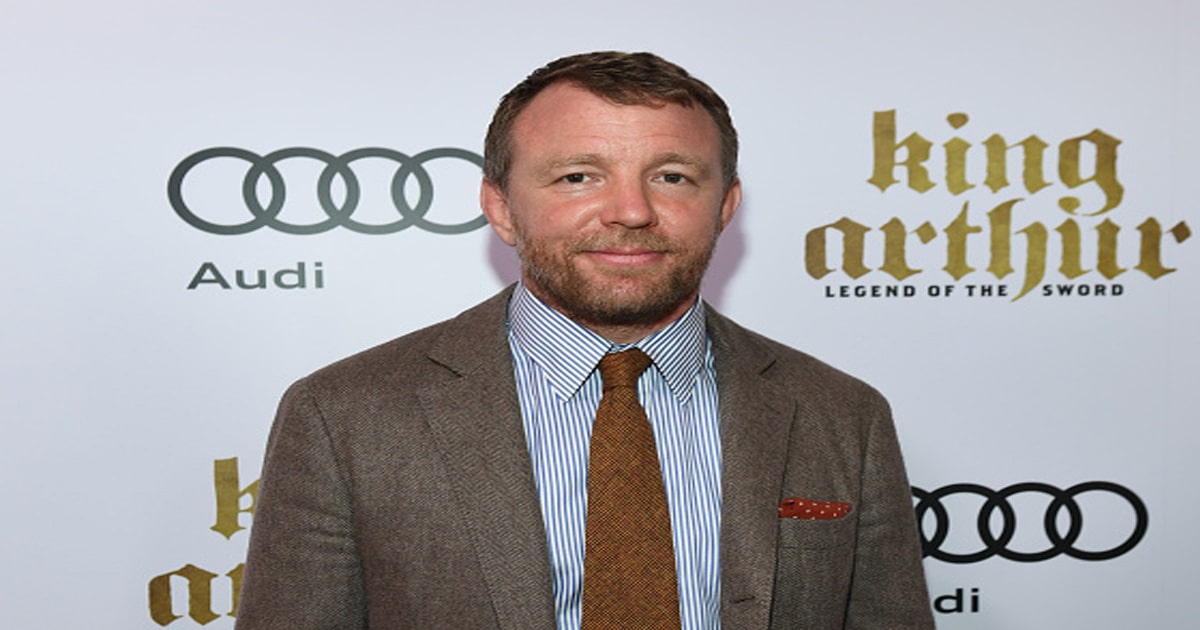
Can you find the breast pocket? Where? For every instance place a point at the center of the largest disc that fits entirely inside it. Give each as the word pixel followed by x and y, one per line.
pixel 812 572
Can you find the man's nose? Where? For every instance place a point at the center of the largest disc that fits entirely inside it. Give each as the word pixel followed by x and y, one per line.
pixel 630 205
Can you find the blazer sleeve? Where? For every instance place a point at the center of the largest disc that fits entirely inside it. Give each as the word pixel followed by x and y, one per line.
pixel 888 588
pixel 302 570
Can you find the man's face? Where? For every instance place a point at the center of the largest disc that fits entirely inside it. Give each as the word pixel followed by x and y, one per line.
pixel 614 209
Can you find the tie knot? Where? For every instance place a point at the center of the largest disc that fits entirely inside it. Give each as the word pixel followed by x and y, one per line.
pixel 622 369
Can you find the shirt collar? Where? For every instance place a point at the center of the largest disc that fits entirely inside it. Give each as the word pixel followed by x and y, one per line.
pixel 567 353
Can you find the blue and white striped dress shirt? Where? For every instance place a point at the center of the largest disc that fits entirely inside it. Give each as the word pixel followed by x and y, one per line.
pixel 554 360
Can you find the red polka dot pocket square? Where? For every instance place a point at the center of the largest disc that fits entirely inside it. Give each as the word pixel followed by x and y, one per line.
pixel 795 507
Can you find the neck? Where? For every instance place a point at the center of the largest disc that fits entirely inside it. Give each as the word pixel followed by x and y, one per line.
pixel 623 332
pixel 630 333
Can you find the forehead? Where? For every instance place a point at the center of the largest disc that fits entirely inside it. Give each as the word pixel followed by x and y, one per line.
pixel 567 117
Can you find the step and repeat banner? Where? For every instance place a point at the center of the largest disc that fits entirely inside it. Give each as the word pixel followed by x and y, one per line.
pixel 987 211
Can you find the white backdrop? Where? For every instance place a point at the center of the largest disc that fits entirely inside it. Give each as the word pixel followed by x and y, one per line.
pixel 126 390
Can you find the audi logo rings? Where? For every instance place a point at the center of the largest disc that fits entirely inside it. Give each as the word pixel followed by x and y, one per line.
pixel 336 167
pixel 1060 542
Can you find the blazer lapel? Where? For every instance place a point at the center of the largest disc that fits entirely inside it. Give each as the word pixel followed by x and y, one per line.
pixel 756 421
pixel 476 423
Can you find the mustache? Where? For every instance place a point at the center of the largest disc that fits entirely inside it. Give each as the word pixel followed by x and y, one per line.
pixel 625 240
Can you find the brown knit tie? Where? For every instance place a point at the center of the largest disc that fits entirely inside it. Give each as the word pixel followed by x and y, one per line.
pixel 629 567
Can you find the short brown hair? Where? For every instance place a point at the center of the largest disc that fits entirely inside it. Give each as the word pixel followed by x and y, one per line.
pixel 625 79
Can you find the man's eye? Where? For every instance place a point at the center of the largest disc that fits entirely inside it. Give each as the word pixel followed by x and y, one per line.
pixel 673 178
pixel 575 178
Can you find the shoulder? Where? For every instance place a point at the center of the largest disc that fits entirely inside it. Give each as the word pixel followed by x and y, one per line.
pixel 739 349
pixel 474 339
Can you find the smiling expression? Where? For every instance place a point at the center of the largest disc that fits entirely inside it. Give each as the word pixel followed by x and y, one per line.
pixel 614 209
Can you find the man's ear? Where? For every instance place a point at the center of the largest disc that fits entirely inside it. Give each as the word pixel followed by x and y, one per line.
pixel 494 203
pixel 730 202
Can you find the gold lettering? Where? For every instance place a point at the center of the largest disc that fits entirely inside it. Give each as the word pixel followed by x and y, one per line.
pixel 997 163
pixel 895 237
pixel 956 244
pixel 229 497
pixel 956 157
pixel 1104 171
pixel 199 596
pixel 1150 257
pixel 235 582
pixel 1000 220
pixel 1106 251
pixel 1072 249
pixel 1035 257
pixel 916 148
pixel 853 247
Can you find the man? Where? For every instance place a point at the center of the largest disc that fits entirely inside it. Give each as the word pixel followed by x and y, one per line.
pixel 442 480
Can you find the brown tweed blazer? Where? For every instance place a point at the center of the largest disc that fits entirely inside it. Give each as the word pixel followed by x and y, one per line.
pixel 397 493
